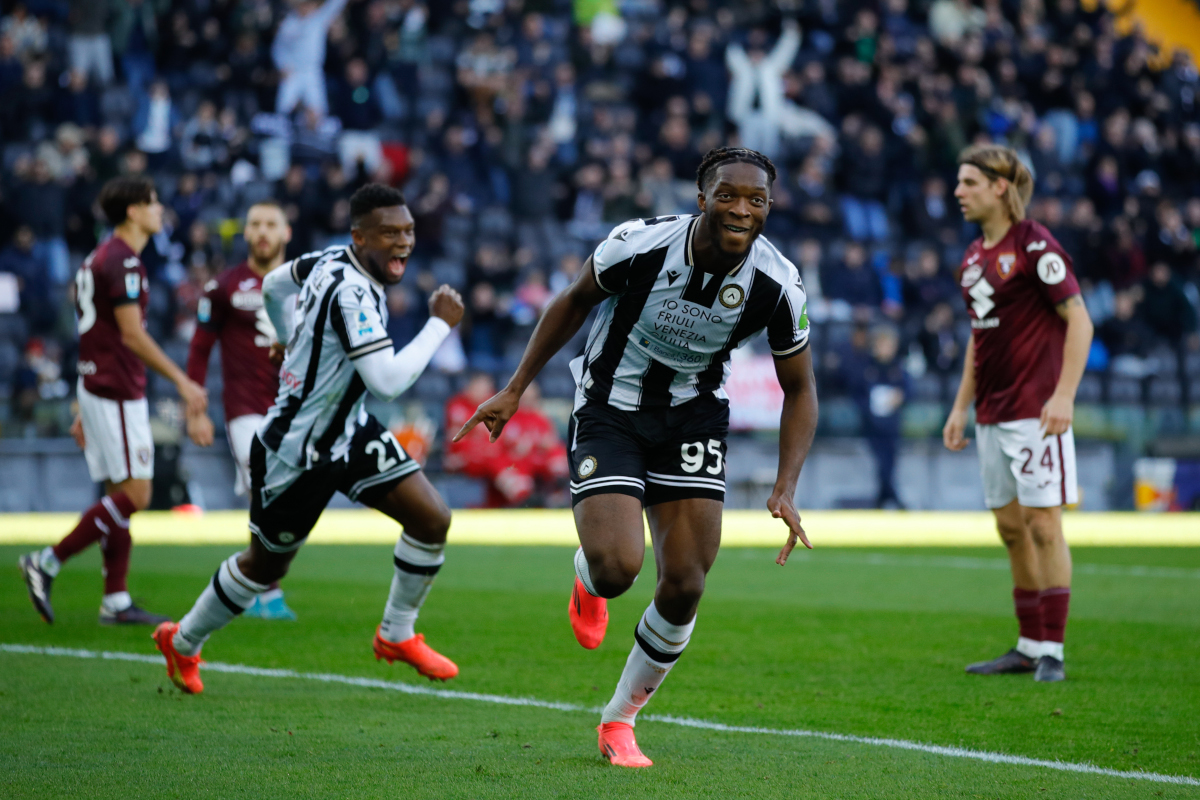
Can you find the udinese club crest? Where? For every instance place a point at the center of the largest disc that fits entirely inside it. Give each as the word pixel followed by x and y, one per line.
pixel 732 296
pixel 587 467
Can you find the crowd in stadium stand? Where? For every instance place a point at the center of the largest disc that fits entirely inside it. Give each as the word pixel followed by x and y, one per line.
pixel 521 131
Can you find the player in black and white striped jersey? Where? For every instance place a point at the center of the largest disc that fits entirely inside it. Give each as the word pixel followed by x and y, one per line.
pixel 677 295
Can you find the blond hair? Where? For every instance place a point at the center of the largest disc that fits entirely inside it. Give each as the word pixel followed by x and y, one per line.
pixel 997 161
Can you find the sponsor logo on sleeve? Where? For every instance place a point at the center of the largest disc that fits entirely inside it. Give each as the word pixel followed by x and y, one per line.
pixel 133 285
pixel 1052 269
pixel 204 310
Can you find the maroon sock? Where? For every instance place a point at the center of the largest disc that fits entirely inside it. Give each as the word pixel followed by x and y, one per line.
pixel 116 542
pixel 1054 612
pixel 88 531
pixel 1029 613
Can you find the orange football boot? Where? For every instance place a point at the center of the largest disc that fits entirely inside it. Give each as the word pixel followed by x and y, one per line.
pixel 415 652
pixel 589 616
pixel 619 747
pixel 184 671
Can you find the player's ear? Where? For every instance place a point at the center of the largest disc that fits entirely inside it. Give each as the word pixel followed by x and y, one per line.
pixel 357 237
pixel 701 202
pixel 287 233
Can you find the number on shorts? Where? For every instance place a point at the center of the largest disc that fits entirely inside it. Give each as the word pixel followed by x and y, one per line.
pixel 1025 470
pixel 85 293
pixel 1047 460
pixel 693 456
pixel 379 446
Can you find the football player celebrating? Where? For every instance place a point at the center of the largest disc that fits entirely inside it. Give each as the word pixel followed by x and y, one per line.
pixel 231 312
pixel 677 295
pixel 318 438
pixel 113 425
pixel 1030 335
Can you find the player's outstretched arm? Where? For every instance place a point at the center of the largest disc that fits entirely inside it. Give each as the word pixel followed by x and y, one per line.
pixel 1060 408
pixel 953 433
pixel 387 373
pixel 562 319
pixel 797 425
pixel 279 290
pixel 134 336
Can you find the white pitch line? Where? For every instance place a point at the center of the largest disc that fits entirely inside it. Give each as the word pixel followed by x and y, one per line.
pixel 687 722
pixel 999 564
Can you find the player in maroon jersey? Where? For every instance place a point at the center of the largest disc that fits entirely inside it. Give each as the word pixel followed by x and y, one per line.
pixel 1030 335
pixel 231 312
pixel 113 424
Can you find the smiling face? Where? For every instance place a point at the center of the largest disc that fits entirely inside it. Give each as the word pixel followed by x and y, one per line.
pixel 735 206
pixel 979 197
pixel 384 239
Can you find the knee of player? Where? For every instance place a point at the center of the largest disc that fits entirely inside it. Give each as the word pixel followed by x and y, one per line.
pixel 1043 526
pixel 140 494
pixel 613 574
pixel 434 528
pixel 1011 534
pixel 686 585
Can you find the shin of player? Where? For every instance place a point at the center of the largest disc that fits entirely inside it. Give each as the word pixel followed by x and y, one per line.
pixel 676 294
pixel 1029 345
pixel 113 425
pixel 231 313
pixel 318 439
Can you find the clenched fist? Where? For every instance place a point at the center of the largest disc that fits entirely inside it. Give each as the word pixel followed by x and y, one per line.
pixel 446 304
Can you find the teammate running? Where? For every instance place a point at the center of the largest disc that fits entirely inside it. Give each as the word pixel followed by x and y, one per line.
pixel 231 312
pixel 677 295
pixel 1028 348
pixel 113 424
pixel 318 437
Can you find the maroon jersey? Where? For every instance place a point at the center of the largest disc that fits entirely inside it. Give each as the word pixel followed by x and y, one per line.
pixel 231 312
pixel 111 276
pixel 1011 291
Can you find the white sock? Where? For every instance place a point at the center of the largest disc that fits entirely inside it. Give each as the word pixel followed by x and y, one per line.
pixel 49 562
pixel 583 573
pixel 1052 649
pixel 657 646
pixel 227 595
pixel 417 564
pixel 1030 648
pixel 116 602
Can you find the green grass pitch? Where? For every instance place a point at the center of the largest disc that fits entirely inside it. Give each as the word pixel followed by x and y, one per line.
pixel 870 643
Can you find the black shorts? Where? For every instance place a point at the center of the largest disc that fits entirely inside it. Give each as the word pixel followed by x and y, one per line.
pixel 375 464
pixel 656 455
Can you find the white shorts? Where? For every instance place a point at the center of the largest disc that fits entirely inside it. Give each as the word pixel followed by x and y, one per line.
pixel 118 443
pixel 241 432
pixel 1019 462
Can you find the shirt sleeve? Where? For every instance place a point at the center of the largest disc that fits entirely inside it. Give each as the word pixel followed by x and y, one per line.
pixel 356 319
pixel 613 258
pixel 787 330
pixel 122 279
pixel 1052 269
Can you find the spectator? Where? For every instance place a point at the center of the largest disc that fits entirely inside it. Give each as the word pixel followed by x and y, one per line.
pixel 357 106
pixel 879 388
pixel 1125 334
pixel 41 204
pixel 864 182
pixel 1166 308
pixel 756 94
pixel 90 48
pixel 299 54
pixel 855 282
pixel 133 30
pixel 31 273
pixel 201 145
pixel 155 126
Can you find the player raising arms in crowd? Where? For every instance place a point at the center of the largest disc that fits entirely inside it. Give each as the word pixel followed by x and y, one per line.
pixel 677 295
pixel 113 425
pixel 232 313
pixel 1028 348
pixel 318 438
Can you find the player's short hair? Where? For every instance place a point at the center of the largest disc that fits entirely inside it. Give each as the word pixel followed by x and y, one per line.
pixel 730 155
pixel 270 202
pixel 997 161
pixel 120 193
pixel 371 197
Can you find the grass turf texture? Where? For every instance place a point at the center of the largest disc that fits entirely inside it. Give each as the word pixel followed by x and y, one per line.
pixel 829 643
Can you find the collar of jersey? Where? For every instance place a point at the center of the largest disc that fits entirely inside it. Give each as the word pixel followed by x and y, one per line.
pixel 687 251
pixel 354 262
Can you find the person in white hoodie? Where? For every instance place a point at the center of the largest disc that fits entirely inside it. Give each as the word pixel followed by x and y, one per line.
pixel 758 76
pixel 299 54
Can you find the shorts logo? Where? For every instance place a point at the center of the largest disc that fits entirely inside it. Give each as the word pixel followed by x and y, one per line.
pixel 1004 264
pixel 732 296
pixel 287 538
pixel 143 455
pixel 587 467
pixel 1052 269
pixel 972 274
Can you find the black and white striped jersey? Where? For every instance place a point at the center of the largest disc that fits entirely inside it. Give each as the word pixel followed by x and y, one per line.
pixel 341 314
pixel 666 333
